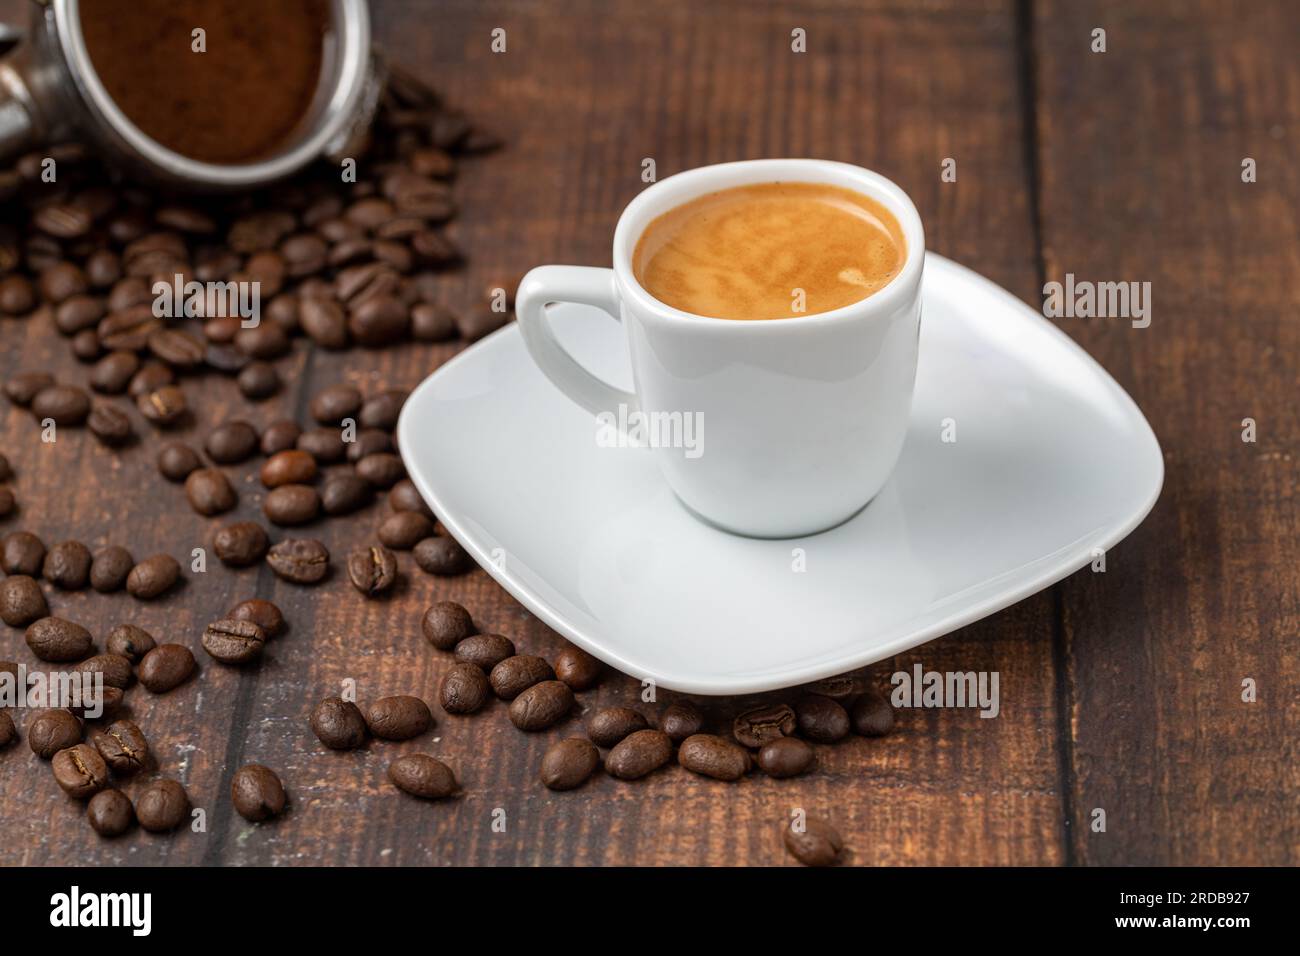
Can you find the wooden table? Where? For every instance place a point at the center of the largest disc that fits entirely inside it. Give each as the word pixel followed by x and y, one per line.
pixel 1121 691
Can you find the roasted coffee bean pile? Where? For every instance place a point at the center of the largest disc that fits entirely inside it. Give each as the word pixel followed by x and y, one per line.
pixel 778 739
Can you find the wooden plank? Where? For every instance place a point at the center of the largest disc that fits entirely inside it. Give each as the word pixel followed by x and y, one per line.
pixel 1141 150
pixel 584 93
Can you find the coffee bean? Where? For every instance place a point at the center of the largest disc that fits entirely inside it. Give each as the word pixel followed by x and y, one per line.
pixel 209 492
pixel 382 410
pixel 441 555
pixel 343 493
pixel 176 460
pixel 609 725
pixel 162 806
pixel 257 793
pixel 299 560
pixel 153 576
pixel 432 323
pixel 402 530
pixel 339 724
pixel 446 624
pixel 8 503
pixel 569 763
pixel 177 348
pixel 6 470
pixel 280 436
pixel 370 441
pixel 166 667
pixel 66 405
pixel 22 601
pixel 262 613
pixel 812 841
pixel 399 717
pixel 873 715
pixel 326 445
pixel 86 347
pixel 51 731
pixel 113 372
pixel 241 544
pixel 821 719
pixel 292 505
pixel 283 311
pixel 577 668
pixel 102 706
pixel 265 341
pixel 841 687
pixel 713 756
pixel 22 553
pixel 67 565
pixel 422 776
pixel 485 650
pixel 515 674
pixel 464 689
pixel 382 469
pixel 681 720
pixel 258 380
pixel 78 314
pixel 62 280
pixel 110 813
pixel 785 757
pixel 128 292
pixel 433 249
pixel 130 642
pixel 63 220
pixel 109 568
pixel 231 443
pixel 639 754
pixel 288 467
pixel 115 668
pixel 22 389
pixel 8 732
pixel 403 496
pixel 225 359
pixel 164 406
pixel 260 231
pixel 233 642
pixel 110 425
pixel 17 296
pixel 325 322
pixel 151 377
pixel 80 771
pixel 378 321
pixel 123 746
pixel 756 727
pixel 372 570
pixel 335 403
pixel 103 268
pixel 57 640
pixel 541 705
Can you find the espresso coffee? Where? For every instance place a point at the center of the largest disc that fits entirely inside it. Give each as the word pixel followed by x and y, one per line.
pixel 770 251
pixel 240 99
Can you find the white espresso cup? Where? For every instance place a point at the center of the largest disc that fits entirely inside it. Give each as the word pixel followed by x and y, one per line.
pixel 798 421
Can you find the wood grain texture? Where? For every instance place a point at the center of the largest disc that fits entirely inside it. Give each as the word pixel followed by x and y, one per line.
pixel 1141 150
pixel 1146 661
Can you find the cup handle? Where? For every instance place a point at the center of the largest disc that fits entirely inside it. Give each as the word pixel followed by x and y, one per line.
pixel 581 284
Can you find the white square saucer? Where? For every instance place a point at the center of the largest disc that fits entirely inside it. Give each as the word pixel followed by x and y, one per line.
pixel 1051 461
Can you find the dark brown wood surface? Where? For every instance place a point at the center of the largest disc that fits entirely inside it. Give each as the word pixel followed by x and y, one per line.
pixel 1120 691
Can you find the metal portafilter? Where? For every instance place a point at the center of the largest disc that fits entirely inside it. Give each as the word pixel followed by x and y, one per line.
pixel 50 92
